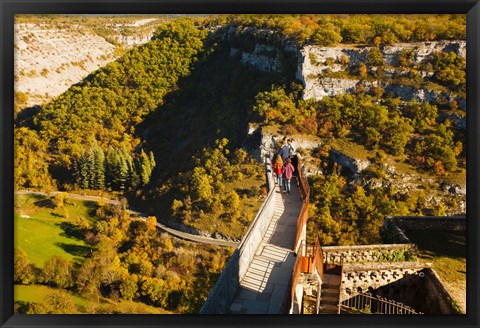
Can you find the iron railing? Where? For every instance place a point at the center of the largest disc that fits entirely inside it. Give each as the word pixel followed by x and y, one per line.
pixel 305 193
pixel 342 261
pixel 367 303
pixel 223 293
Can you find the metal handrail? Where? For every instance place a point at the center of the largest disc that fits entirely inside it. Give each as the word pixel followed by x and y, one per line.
pixel 340 284
pixel 305 193
pixel 376 304
pixel 231 272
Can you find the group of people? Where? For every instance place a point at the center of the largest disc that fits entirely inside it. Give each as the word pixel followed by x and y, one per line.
pixel 282 166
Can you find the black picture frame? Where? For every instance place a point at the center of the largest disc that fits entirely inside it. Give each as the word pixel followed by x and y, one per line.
pixel 9 8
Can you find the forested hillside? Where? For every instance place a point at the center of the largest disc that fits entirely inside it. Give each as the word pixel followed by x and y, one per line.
pixel 166 125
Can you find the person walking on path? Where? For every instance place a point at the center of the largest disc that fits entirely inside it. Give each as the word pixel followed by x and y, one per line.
pixel 284 151
pixel 277 164
pixel 287 171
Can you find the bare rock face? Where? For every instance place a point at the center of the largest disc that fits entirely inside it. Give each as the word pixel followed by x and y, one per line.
pixel 264 57
pixel 319 88
pixel 352 164
pixel 424 49
pixel 49 60
pixel 313 61
pixel 132 40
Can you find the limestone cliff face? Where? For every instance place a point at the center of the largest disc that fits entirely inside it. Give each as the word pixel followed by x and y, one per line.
pixel 49 60
pixel 313 61
pixel 258 48
pixel 133 40
pixel 264 57
pixel 354 165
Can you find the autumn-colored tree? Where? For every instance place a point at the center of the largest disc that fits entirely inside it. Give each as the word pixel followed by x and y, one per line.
pixel 58 271
pixel 362 70
pixel 201 189
pixel 375 57
pixel 60 302
pixel 23 271
pixel 87 280
pixel 129 286
pixel 151 223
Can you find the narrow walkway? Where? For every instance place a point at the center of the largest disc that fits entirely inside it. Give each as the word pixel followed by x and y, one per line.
pixel 267 282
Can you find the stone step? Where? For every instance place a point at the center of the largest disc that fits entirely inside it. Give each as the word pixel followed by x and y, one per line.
pixel 331 279
pixel 330 287
pixel 329 297
pixel 309 298
pixel 329 301
pixel 330 293
pixel 328 309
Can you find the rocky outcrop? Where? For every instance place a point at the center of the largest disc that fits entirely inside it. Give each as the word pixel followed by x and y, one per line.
pixel 258 48
pixel 132 40
pixel 49 60
pixel 313 61
pixel 424 49
pixel 319 88
pixel 352 164
pixel 264 57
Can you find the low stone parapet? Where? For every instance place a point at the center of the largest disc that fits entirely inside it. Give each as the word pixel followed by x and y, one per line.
pixel 431 223
pixel 369 253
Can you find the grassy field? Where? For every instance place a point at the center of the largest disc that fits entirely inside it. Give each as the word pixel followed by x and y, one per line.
pixel 37 293
pixel 42 231
pixel 447 251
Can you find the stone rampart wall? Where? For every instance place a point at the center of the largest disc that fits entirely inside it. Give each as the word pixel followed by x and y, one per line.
pixel 367 253
pixel 400 281
pixel 412 283
pixel 431 223
pixel 438 299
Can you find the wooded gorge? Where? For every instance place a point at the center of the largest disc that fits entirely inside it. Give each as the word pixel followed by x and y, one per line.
pixel 167 126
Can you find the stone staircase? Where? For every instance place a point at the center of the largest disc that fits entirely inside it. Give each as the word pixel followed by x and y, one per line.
pixel 330 294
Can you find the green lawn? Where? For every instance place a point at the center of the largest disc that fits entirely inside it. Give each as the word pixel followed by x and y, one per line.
pixel 42 231
pixel 37 293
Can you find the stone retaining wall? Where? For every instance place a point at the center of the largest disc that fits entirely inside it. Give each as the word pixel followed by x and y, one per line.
pixel 431 223
pixel 438 300
pixel 400 281
pixel 412 283
pixel 367 253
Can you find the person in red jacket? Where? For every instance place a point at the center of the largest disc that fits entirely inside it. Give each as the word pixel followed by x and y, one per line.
pixel 287 171
pixel 277 165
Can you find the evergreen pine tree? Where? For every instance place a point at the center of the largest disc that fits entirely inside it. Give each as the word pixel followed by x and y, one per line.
pixel 99 167
pixel 145 168
pixel 111 168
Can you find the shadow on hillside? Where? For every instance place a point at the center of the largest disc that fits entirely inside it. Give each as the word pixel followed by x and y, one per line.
pixel 91 208
pixel 25 116
pixel 76 250
pixel 45 203
pixel 71 231
pixel 212 103
pixel 450 244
